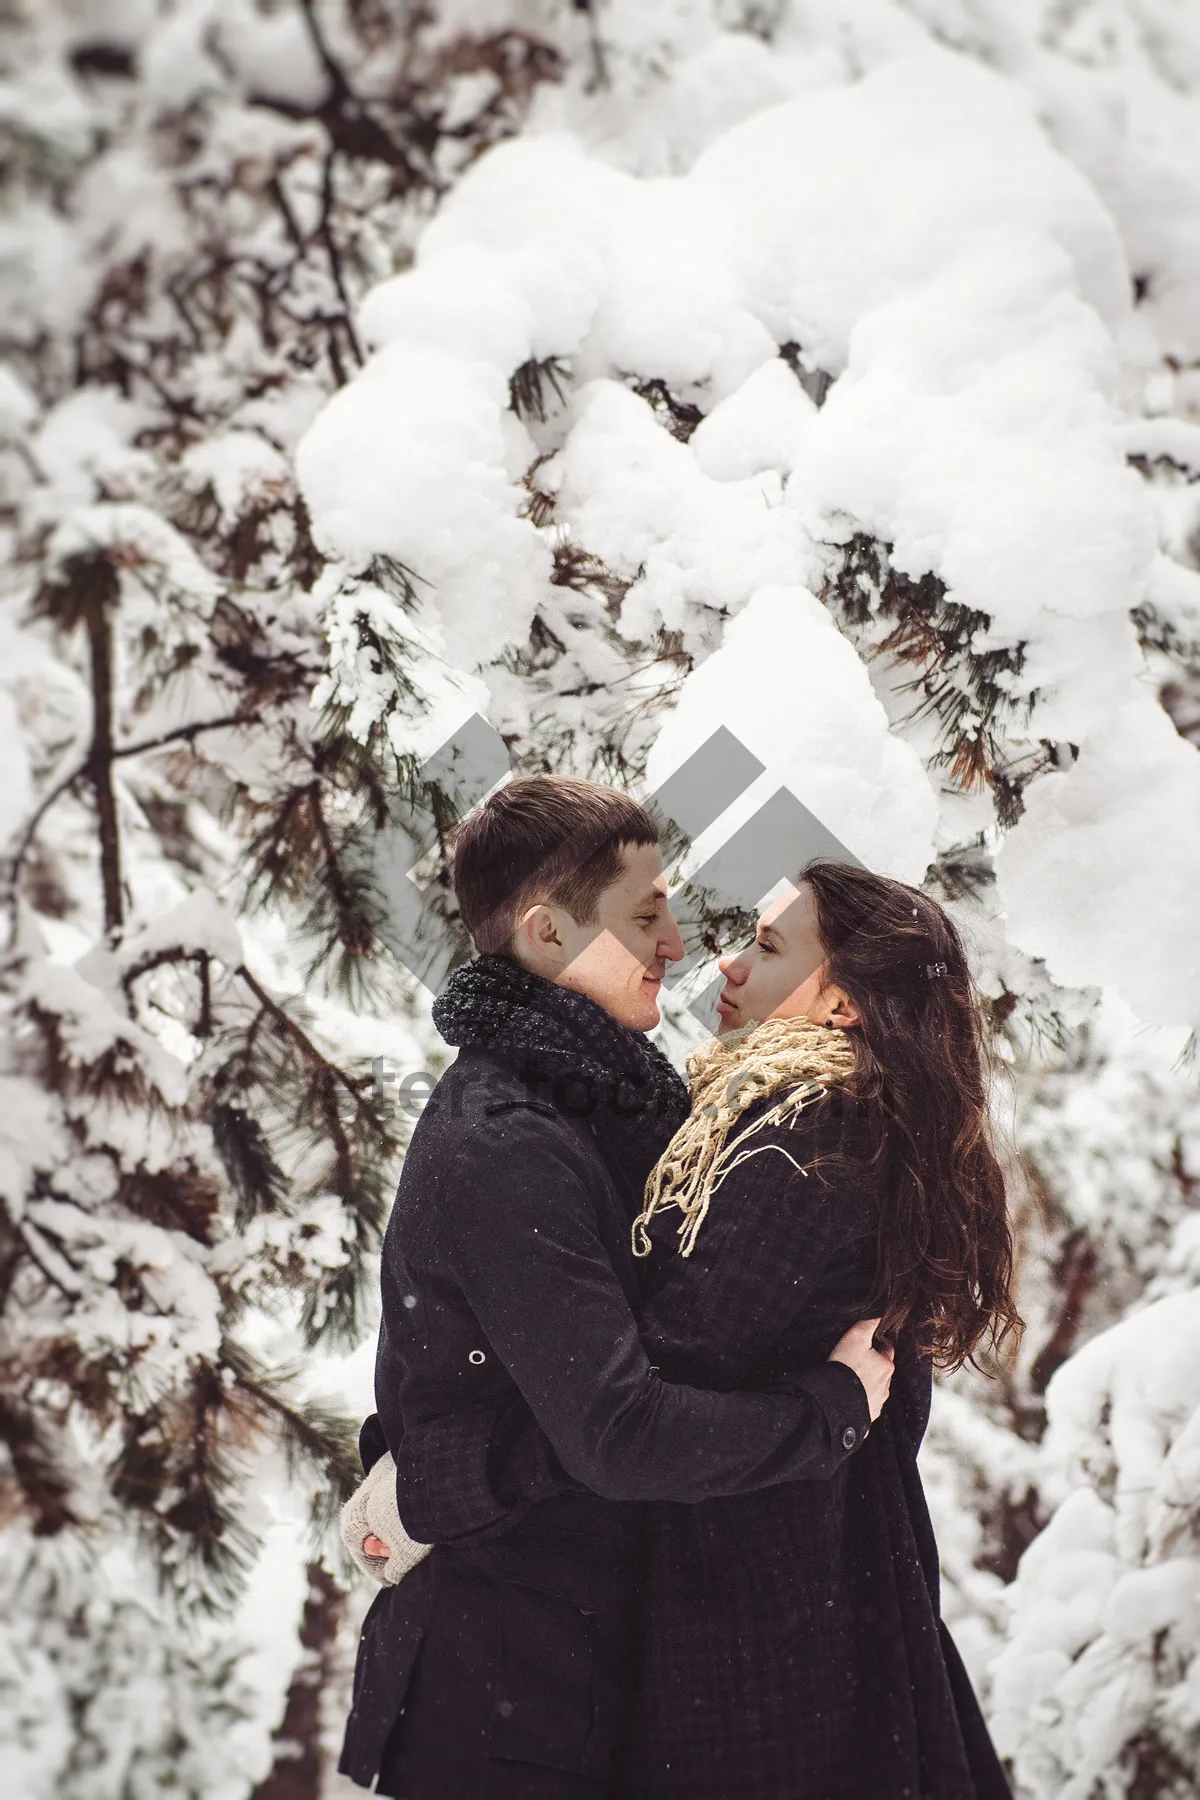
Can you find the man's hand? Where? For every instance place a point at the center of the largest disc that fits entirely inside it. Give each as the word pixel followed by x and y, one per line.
pixel 873 1367
pixel 373 1546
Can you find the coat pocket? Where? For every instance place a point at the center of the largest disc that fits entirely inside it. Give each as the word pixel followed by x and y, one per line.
pixel 559 1695
pixel 392 1636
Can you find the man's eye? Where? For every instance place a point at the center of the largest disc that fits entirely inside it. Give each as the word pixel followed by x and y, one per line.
pixel 648 918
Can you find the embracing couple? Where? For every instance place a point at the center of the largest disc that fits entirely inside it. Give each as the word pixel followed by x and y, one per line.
pixel 653 1367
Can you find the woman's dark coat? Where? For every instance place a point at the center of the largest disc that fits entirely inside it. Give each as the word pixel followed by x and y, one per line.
pixel 524 1414
pixel 791 1645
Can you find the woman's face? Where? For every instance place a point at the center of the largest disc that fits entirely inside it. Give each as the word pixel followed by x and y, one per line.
pixel 780 975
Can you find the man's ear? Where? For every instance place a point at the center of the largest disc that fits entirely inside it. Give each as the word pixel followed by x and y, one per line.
pixel 537 940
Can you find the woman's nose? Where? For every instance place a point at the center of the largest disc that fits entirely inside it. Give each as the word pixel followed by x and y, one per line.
pixel 733 969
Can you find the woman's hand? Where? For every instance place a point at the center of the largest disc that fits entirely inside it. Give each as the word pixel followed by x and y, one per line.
pixel 873 1367
pixel 373 1546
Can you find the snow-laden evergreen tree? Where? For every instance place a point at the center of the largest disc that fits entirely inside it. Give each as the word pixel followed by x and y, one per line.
pixel 825 370
pixel 197 1156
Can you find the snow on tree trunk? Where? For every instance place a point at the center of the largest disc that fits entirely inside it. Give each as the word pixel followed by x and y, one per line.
pixel 296 1773
pixel 826 371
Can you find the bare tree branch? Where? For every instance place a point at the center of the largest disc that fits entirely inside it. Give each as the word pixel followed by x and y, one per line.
pixel 289 1025
pixel 178 734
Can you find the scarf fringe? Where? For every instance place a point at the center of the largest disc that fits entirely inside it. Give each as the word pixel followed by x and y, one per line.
pixel 727 1077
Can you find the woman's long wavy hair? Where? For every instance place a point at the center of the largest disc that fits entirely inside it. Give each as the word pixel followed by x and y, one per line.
pixel 945 1249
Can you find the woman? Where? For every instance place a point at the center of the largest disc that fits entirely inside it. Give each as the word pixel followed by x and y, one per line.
pixel 836 1164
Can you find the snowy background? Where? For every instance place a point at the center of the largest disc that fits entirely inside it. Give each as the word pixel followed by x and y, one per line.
pixel 619 369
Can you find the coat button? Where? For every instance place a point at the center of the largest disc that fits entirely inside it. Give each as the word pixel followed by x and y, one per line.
pixel 849 1438
pixel 476 1356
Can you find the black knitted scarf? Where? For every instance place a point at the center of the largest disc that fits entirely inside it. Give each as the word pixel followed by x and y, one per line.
pixel 565 1045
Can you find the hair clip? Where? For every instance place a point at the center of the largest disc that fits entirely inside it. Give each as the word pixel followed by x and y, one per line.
pixel 937 968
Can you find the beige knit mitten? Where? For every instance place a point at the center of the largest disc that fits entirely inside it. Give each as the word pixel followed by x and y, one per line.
pixel 371 1511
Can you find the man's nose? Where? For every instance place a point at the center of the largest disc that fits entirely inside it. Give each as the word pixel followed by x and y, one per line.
pixel 670 944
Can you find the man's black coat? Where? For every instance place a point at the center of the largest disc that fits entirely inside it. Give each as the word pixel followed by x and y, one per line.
pixel 509 1367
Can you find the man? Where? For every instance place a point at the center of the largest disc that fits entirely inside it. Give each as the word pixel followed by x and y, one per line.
pixel 508 1347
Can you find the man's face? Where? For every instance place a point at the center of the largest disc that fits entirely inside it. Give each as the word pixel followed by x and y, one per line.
pixel 619 961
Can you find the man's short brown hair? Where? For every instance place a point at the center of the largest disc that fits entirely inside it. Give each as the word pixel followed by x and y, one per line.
pixel 542 838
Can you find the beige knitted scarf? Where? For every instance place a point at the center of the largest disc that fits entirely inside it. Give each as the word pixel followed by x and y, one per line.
pixel 791 1057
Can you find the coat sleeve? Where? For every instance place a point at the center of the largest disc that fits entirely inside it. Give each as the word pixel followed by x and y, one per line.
pixel 520 1236
pixel 770 1234
pixel 371 1442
